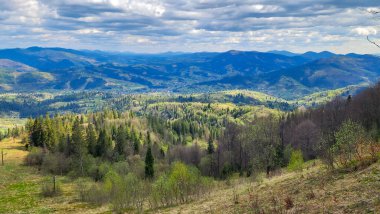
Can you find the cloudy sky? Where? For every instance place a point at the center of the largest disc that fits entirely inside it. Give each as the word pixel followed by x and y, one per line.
pixel 191 25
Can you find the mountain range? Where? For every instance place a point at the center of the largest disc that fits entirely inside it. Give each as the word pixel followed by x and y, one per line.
pixel 279 73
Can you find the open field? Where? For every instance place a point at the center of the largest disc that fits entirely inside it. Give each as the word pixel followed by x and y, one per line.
pixel 20 187
pixel 7 122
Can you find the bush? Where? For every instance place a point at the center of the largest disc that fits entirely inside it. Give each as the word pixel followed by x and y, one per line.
pixel 98 172
pixel 296 161
pixel 137 190
pixel 51 188
pixel 93 194
pixel 35 157
pixel 121 167
pixel 162 193
pixel 82 167
pixel 123 192
pixel 348 138
pixel 56 163
pixel 180 185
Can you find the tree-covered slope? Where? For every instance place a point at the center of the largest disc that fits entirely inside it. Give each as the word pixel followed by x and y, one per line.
pixel 283 75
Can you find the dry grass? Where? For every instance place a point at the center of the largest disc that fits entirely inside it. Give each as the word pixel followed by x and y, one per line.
pixel 311 191
pixel 20 187
pixel 9 123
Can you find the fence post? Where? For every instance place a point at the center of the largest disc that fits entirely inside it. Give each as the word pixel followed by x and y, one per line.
pixel 54 183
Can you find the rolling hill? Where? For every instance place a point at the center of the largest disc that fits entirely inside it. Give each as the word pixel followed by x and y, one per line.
pixel 279 73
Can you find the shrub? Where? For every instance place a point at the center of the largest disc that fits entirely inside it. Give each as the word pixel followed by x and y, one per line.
pixel 81 167
pixel 348 138
pixel 227 170
pixel 137 166
pixel 137 190
pixel 56 163
pixel 121 167
pixel 98 172
pixel 296 161
pixel 51 188
pixel 93 194
pixel 183 180
pixel 162 194
pixel 114 185
pixel 35 157
pixel 179 185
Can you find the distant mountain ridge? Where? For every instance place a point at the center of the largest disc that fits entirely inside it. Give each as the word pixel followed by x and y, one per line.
pixel 280 73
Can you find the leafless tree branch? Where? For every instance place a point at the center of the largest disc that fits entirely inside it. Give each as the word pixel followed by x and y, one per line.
pixel 369 40
pixel 373 12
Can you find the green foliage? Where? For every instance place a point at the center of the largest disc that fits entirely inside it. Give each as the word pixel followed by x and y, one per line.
pixel 348 138
pixel 56 163
pixel 296 161
pixel 210 146
pixel 93 194
pixel 123 192
pixel 180 185
pixel 35 157
pixel 91 139
pixel 51 187
pixel 149 163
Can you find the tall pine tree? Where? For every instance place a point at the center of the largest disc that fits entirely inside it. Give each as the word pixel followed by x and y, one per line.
pixel 149 161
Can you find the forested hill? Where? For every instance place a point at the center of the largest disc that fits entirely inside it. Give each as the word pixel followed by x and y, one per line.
pixel 337 132
pixel 172 154
pixel 282 74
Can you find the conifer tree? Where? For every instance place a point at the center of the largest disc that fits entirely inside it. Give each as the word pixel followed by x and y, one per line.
pixel 104 144
pixel 91 139
pixel 210 146
pixel 79 148
pixel 121 141
pixel 149 162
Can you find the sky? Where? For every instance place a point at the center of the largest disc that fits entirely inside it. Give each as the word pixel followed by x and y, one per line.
pixel 151 26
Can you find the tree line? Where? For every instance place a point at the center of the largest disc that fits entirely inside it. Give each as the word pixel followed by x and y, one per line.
pixel 163 146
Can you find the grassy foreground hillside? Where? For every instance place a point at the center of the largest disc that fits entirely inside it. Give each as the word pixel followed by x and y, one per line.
pixel 20 186
pixel 313 190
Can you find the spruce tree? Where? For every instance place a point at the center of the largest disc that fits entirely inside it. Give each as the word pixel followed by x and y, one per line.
pixel 79 147
pixel 210 146
pixel 91 139
pixel 149 161
pixel 104 145
pixel 121 141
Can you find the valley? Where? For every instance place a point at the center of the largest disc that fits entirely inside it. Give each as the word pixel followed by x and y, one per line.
pixel 183 107
pixel 53 69
pixel 233 132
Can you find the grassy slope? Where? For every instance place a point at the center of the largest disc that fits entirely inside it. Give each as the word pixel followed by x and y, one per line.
pixel 357 192
pixel 6 123
pixel 20 187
